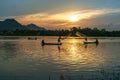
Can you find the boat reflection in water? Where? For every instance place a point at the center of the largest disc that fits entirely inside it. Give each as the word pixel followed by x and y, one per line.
pixel 77 57
pixel 30 61
pixel 74 56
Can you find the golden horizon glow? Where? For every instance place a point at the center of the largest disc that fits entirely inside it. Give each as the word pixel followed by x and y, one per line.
pixel 74 18
pixel 79 55
pixel 63 19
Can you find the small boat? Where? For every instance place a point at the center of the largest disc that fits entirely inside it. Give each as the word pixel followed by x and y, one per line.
pixel 32 38
pixel 91 42
pixel 51 44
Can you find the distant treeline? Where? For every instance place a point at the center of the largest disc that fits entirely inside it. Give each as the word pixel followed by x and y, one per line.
pixel 95 32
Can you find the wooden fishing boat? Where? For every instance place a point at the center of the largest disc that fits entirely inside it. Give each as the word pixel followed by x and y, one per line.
pixel 32 38
pixel 91 42
pixel 51 44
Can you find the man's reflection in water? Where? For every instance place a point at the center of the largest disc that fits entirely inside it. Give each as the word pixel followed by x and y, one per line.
pixel 86 46
pixel 59 49
pixel 97 45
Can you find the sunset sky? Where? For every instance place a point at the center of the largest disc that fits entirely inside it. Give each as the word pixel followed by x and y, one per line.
pixel 61 13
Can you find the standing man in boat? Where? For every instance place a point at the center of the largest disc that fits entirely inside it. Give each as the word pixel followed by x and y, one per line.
pixel 59 39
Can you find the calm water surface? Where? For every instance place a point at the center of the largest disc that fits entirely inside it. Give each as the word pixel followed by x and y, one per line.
pixel 21 58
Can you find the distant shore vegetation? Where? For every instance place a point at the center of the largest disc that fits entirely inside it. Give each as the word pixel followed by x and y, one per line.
pixel 90 32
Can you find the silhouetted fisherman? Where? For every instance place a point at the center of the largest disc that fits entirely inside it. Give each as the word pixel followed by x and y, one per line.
pixel 97 42
pixel 42 43
pixel 59 39
pixel 86 39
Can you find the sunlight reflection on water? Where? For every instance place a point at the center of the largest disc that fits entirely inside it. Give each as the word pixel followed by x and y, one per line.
pixel 28 57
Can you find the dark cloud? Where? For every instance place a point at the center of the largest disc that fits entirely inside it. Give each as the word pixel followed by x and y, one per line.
pixel 20 7
pixel 105 19
pixel 17 8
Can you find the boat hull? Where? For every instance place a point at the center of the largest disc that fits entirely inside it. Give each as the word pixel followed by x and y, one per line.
pixel 90 42
pixel 29 38
pixel 51 44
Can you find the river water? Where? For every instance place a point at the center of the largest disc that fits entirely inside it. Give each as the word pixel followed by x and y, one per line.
pixel 23 59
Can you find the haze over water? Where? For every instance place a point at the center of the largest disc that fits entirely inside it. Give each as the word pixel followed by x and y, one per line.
pixel 21 58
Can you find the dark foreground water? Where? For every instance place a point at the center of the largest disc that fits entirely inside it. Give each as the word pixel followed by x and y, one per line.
pixel 23 59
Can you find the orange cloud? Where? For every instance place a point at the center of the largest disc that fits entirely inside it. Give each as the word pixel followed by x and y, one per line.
pixel 62 19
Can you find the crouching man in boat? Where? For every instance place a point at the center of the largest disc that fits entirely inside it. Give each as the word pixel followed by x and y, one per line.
pixel 85 38
pixel 42 43
pixel 97 42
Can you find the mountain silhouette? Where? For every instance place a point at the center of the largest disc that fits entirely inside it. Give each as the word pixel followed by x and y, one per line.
pixel 34 27
pixel 12 24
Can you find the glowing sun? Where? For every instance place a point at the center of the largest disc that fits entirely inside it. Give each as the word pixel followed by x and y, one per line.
pixel 74 18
